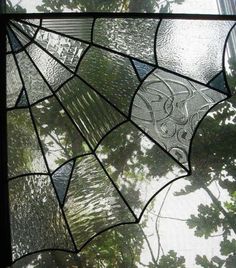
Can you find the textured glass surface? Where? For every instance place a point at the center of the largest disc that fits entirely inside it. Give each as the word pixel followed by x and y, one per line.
pixel 24 154
pixel 15 44
pixel 92 202
pixel 111 75
pixel 60 139
pixel 14 84
pixel 142 169
pixel 34 83
pixel 91 113
pixel 134 37
pixel 192 47
pixel 66 50
pixel 77 28
pixel 53 71
pixel 36 220
pixel 52 259
pixel 169 107
pixel 61 179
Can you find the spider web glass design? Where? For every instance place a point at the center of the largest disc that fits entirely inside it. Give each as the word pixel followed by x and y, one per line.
pixel 101 117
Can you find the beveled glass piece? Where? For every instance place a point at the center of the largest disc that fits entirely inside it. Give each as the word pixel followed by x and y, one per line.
pixel 137 166
pixel 14 84
pixel 134 37
pixel 60 138
pixel 24 153
pixel 92 204
pixel 66 50
pixel 192 48
pixel 219 83
pixel 111 75
pixel 34 84
pixel 168 108
pixel 22 100
pixel 53 72
pixel 142 69
pixel 26 28
pixel 61 179
pixel 93 116
pixel 80 28
pixel 36 220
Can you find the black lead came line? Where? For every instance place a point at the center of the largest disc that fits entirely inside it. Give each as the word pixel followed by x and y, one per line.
pixel 5 232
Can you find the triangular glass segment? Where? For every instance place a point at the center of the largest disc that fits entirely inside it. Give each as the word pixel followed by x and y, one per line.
pixel 15 44
pixel 61 178
pixel 142 68
pixel 219 83
pixel 22 100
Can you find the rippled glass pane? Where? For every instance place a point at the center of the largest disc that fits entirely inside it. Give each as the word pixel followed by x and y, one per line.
pixel 77 28
pixel 14 84
pixel 34 83
pixel 134 37
pixel 169 108
pixel 60 138
pixel 52 259
pixel 91 113
pixel 36 219
pixel 53 72
pixel 138 166
pixel 111 75
pixel 24 153
pixel 92 203
pixel 193 48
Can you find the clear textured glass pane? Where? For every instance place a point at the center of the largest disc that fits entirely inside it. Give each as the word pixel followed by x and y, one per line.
pixel 111 75
pixel 14 84
pixel 92 204
pixel 134 37
pixel 34 83
pixel 24 154
pixel 60 139
pixel 169 107
pixel 77 28
pixel 53 72
pixel 66 50
pixel 138 166
pixel 52 259
pixel 193 48
pixel 36 219
pixel 91 113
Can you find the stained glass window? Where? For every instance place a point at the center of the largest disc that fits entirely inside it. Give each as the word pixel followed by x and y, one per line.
pixel 120 131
